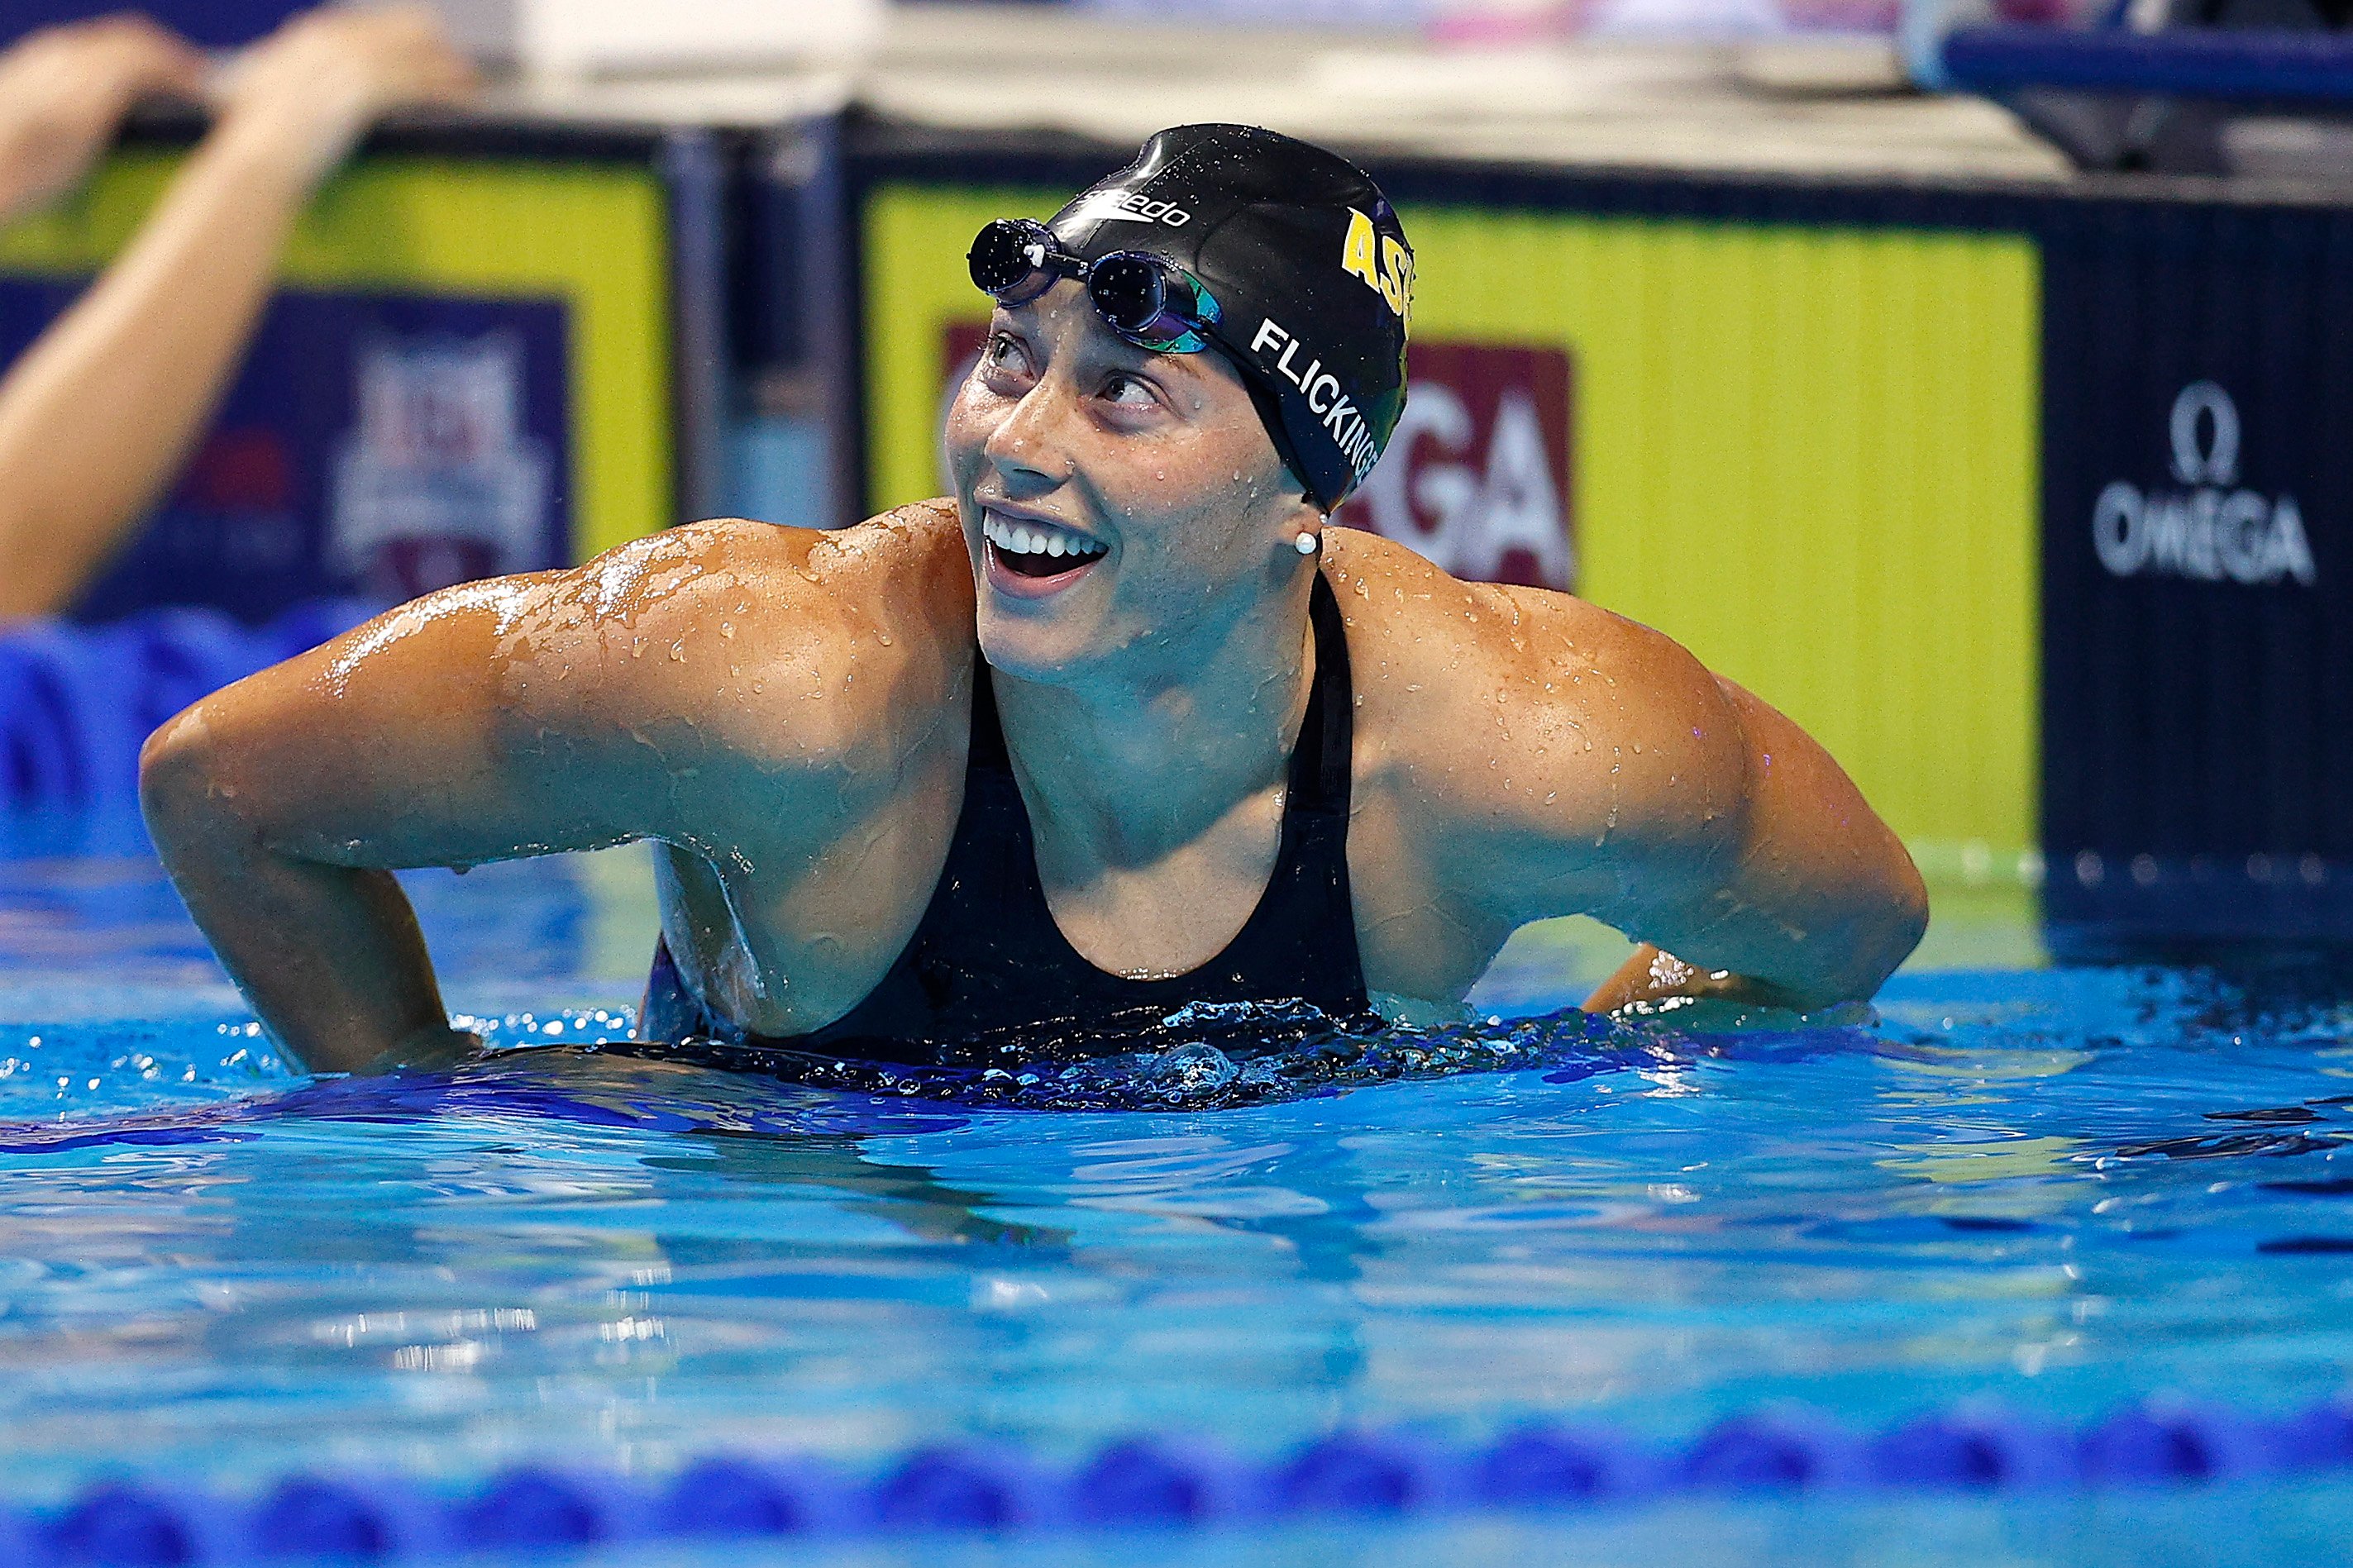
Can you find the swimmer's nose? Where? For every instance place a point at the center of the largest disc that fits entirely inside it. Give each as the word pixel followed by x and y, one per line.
pixel 1026 446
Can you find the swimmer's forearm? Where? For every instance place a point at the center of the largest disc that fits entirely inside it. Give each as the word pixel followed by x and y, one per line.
pixel 330 956
pixel 100 412
pixel 1785 939
pixel 96 417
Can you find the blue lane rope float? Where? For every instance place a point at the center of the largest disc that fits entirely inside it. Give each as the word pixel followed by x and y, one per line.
pixel 76 701
pixel 977 1488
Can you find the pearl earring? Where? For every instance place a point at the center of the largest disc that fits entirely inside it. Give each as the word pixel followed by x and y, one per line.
pixel 1307 544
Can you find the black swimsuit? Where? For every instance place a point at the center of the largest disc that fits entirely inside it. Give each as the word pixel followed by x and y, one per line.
pixel 989 974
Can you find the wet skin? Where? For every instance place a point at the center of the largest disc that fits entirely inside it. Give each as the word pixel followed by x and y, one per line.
pixel 787 713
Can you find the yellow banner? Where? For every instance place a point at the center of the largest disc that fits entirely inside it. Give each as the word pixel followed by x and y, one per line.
pixel 1808 454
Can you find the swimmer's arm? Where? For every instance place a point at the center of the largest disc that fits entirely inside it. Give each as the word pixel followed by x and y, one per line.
pixel 1701 822
pixel 485 722
pixel 281 805
pixel 1816 900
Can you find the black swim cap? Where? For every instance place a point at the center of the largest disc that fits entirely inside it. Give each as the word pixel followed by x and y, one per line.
pixel 1309 267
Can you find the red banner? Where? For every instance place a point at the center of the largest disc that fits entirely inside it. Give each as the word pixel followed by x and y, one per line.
pixel 1476 475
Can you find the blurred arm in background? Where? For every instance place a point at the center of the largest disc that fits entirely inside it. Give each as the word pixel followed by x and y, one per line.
pixel 64 90
pixel 99 415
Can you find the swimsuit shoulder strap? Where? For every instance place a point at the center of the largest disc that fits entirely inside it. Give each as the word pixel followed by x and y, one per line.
pixel 1321 762
pixel 988 749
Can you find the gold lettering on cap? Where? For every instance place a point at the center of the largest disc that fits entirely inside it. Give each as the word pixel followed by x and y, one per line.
pixel 1384 265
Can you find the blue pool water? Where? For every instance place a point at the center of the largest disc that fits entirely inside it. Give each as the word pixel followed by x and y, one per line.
pixel 2054 1191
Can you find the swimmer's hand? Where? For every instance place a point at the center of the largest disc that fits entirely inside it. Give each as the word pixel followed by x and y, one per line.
pixel 425 1051
pixel 311 88
pixel 1652 975
pixel 64 90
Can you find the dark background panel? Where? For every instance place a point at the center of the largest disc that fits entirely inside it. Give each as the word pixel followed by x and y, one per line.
pixel 2196 767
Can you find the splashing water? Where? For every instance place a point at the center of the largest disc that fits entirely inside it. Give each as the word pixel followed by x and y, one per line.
pixel 1214 1056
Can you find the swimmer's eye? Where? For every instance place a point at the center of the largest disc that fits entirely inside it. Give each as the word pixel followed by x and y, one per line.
pixel 1004 353
pixel 1128 391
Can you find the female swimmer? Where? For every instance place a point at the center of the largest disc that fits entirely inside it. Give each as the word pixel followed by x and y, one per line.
pixel 1123 725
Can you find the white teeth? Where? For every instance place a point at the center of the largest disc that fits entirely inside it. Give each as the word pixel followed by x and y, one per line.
pixel 1027 539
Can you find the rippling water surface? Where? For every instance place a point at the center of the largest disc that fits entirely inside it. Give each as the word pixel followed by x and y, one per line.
pixel 2056 1189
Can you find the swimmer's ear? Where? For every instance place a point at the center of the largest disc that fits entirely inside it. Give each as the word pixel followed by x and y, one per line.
pixel 1299 517
pixel 1308 525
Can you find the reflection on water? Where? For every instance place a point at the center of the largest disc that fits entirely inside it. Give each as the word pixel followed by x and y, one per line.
pixel 2055 1188
pixel 91 930
pixel 575 1255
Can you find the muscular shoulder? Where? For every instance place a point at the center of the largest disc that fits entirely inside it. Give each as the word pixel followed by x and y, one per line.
pixel 1528 714
pixel 777 647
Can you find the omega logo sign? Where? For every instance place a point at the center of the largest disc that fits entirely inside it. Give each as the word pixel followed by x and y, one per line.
pixel 2211 530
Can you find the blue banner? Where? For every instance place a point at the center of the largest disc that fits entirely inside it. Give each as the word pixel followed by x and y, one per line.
pixel 376 445
pixel 213 24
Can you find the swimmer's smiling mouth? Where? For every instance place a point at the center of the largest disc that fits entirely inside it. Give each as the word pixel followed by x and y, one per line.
pixel 1035 549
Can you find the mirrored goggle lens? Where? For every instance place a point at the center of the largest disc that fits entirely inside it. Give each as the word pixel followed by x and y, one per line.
pixel 1011 260
pixel 1152 304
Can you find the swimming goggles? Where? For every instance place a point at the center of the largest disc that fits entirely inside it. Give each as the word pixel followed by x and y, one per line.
pixel 1151 303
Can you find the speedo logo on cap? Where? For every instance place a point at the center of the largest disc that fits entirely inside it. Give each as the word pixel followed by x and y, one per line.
pixel 1132 207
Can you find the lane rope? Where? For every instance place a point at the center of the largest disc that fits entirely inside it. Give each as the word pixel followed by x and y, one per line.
pixel 129 1523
